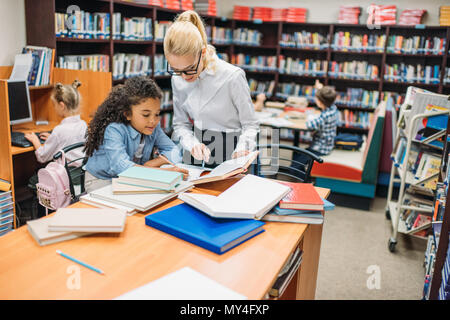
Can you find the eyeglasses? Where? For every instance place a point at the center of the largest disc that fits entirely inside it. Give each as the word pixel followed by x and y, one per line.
pixel 186 72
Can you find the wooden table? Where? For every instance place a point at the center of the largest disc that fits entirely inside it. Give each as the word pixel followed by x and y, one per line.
pixel 141 254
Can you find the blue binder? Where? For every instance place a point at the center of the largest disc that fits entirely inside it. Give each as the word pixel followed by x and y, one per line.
pixel 215 234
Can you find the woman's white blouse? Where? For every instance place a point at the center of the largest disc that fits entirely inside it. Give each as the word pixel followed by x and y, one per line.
pixel 218 100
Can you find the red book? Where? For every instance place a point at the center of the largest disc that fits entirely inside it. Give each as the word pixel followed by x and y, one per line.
pixel 303 196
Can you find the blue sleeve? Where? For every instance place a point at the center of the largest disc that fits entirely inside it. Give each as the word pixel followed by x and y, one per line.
pixel 116 151
pixel 167 147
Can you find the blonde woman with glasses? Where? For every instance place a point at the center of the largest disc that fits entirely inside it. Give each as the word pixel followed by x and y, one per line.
pixel 214 118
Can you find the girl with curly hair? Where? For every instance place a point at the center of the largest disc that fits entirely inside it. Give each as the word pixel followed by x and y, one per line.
pixel 124 131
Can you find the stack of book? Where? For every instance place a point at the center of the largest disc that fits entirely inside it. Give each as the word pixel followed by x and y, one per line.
pixel 127 65
pixel 187 5
pixel 257 86
pixel 279 14
pixel 161 28
pixel 160 65
pixel 94 62
pixel 415 45
pixel 305 40
pixel 358 97
pixel 262 13
pixel 411 17
pixel 222 35
pixel 410 73
pixel 167 99
pixel 172 4
pixel 244 36
pixel 72 223
pixel 242 13
pixel 349 14
pixel 381 14
pixel 133 29
pixel 354 119
pixel 255 63
pixel 345 41
pixel 444 16
pixel 206 7
pixel 138 189
pixel 307 67
pixel 302 204
pixel 42 65
pixel 6 212
pixel 355 70
pixel 296 15
pixel 83 25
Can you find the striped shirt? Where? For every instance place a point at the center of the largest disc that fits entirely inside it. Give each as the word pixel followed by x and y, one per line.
pixel 325 126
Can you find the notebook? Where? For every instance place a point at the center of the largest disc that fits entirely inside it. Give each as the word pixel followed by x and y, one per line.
pixel 183 284
pixel 122 188
pixel 192 225
pixel 302 197
pixel 88 220
pixel 39 231
pixel 99 203
pixel 150 177
pixel 327 206
pixel 228 169
pixel 249 198
pixel 141 202
pixel 295 218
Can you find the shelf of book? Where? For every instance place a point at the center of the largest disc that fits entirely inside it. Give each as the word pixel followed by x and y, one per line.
pixel 321 42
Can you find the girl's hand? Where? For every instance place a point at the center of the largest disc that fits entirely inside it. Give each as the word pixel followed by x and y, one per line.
pixel 44 135
pixel 33 139
pixel 201 152
pixel 239 154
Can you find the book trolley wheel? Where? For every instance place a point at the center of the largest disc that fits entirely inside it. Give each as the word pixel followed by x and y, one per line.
pixel 388 214
pixel 391 244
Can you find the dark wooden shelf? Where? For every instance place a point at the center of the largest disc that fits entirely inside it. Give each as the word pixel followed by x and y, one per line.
pixel 143 42
pixel 343 106
pixel 353 129
pixel 253 46
pixel 364 53
pixel 303 49
pixel 416 84
pixel 417 55
pixel 59 39
pixel 355 80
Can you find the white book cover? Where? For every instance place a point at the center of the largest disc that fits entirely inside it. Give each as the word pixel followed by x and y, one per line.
pixel 183 284
pixel 99 203
pixel 141 202
pixel 249 198
pixel 88 220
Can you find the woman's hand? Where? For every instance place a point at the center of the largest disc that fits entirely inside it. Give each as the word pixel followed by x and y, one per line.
pixel 239 154
pixel 201 152
pixel 33 139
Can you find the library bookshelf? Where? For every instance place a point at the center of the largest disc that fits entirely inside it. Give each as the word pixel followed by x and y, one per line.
pixel 42 13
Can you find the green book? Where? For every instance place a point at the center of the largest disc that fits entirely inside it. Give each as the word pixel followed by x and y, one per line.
pixel 152 178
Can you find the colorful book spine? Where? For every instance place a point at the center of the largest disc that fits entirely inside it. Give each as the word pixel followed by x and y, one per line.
pixel 308 67
pixel 160 65
pixel 416 45
pixel 447 76
pixel 94 62
pixel 354 119
pixel 245 36
pixel 346 41
pixel 355 70
pixel 167 99
pixel 83 25
pixel 304 40
pixel 255 63
pixel 357 97
pixel 132 29
pixel 127 65
pixel 412 73
pixel 287 89
pixel 222 35
pixel 257 86
pixel 393 100
pixel 161 28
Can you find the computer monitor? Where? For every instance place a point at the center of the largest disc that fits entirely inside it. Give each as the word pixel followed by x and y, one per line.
pixel 19 102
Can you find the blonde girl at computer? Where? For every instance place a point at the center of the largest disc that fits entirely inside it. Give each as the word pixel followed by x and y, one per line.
pixel 66 101
pixel 211 97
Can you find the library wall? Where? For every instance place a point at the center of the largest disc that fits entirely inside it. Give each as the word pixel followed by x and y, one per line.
pixel 327 11
pixel 12 30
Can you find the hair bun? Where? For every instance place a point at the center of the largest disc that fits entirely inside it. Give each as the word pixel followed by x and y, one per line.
pixel 59 86
pixel 76 84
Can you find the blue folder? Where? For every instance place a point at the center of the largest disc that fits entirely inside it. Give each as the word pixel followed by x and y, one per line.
pixel 215 234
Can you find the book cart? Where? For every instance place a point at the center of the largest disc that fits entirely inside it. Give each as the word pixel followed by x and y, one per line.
pixel 414 192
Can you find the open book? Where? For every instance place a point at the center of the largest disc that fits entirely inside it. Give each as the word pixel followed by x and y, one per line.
pixel 249 198
pixel 228 169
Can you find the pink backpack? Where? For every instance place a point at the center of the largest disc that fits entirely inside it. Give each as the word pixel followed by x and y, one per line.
pixel 53 188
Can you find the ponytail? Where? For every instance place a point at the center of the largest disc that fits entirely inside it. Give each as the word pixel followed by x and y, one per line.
pixel 187 36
